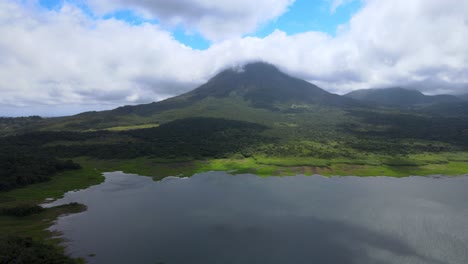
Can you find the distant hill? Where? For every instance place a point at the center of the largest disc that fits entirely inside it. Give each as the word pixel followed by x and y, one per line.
pixel 400 97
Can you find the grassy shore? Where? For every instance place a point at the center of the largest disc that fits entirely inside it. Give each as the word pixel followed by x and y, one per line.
pixel 35 225
pixel 449 164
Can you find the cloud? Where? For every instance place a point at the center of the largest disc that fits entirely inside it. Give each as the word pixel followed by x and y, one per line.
pixel 338 3
pixel 216 20
pixel 61 57
pixel 64 57
pixel 386 43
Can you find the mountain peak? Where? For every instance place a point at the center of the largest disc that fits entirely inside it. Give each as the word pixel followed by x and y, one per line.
pixel 263 85
pixel 260 84
pixel 257 68
pixel 260 66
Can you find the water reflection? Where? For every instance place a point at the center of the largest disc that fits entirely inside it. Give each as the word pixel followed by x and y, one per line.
pixel 218 218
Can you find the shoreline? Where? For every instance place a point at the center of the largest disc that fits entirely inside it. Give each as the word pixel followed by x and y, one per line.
pixel 271 167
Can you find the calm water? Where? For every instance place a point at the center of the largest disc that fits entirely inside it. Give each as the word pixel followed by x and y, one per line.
pixel 219 218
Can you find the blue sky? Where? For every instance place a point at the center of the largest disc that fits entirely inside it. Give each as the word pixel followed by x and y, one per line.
pixel 302 16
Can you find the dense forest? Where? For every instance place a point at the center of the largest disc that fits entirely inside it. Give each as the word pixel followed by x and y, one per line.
pixel 195 138
pixel 34 157
pixel 21 168
pixel 395 132
pixel 407 125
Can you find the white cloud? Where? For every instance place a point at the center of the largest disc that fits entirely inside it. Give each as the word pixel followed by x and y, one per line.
pixel 65 58
pixel 216 20
pixel 338 3
pixel 388 43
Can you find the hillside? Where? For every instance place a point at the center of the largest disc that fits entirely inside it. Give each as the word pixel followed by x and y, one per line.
pixel 400 97
pixel 259 92
pixel 259 84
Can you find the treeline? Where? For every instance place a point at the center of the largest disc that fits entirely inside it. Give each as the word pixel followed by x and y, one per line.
pixel 195 138
pixel 22 168
pixel 202 137
pixel 388 127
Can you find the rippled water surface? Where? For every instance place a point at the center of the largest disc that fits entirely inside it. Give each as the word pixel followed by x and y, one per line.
pixel 219 218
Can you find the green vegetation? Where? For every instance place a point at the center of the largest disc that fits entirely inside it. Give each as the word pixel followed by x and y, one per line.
pixel 293 161
pixel 24 237
pixel 441 164
pixel 35 225
pixel 54 188
pixel 388 143
pixel 26 250
pixel 19 169
pixel 125 128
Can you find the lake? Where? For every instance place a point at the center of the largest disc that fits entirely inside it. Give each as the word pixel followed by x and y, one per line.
pixel 216 217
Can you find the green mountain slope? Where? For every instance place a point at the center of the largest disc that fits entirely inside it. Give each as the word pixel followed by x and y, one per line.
pixel 257 93
pixel 260 85
pixel 263 86
pixel 400 97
